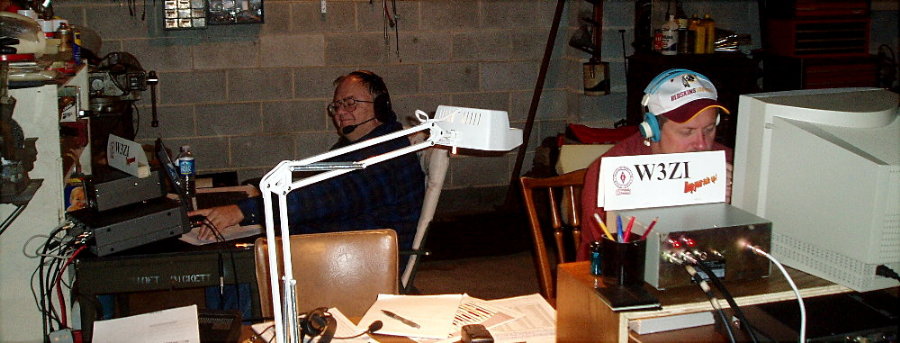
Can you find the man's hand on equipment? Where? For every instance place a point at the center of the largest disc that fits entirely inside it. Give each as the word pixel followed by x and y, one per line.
pixel 221 217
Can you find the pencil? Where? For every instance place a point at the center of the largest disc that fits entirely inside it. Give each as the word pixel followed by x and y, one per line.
pixel 647 232
pixel 619 228
pixel 603 226
pixel 628 230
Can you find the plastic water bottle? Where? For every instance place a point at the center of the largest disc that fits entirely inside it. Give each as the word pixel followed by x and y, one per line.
pixel 187 172
pixel 670 37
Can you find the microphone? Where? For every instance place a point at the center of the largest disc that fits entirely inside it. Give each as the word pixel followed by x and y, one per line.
pixel 375 326
pixel 350 128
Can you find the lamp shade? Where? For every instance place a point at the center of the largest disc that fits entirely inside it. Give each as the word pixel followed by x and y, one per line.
pixel 477 129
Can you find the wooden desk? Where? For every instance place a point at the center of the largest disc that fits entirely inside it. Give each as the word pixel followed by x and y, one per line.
pixel 583 317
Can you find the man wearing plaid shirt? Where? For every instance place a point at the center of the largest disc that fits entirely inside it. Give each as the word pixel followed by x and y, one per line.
pixel 385 195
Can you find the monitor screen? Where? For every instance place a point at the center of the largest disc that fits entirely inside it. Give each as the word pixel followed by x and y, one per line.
pixel 824 166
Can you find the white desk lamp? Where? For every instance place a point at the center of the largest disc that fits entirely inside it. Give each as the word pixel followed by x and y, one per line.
pixel 454 127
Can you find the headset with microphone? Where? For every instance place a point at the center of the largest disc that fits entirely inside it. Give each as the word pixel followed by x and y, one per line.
pixel 346 130
pixel 381 99
pixel 650 128
pixel 320 323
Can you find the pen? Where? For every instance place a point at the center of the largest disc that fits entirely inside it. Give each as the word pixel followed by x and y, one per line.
pixel 628 230
pixel 647 232
pixel 401 319
pixel 619 227
pixel 603 226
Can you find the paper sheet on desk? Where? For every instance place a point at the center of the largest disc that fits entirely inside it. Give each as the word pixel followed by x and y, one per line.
pixel 433 313
pixel 177 325
pixel 537 325
pixel 477 311
pixel 345 328
pixel 229 233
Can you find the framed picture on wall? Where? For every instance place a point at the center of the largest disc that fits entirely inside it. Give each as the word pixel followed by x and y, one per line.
pixel 225 12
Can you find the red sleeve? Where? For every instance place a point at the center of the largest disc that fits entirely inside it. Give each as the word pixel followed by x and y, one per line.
pixel 590 231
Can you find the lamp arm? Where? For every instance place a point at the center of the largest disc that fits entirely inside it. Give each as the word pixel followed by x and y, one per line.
pixel 278 182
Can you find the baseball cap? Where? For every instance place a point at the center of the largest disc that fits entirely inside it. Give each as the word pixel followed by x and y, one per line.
pixel 680 94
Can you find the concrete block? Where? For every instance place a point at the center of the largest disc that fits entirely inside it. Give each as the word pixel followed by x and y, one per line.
pixel 99 18
pixel 370 17
pixel 511 14
pixel 228 119
pixel 209 152
pixel 306 17
pixel 313 143
pixel 159 54
pixel 531 43
pixel 317 82
pixel 450 77
pixel 356 48
pixel 494 101
pixel 400 79
pixel 191 87
pixel 517 75
pixel 294 116
pixel 483 45
pixel 259 84
pixel 174 121
pixel 406 106
pixel 422 47
pixel 260 151
pixel 277 16
pixel 292 50
pixel 450 15
pixel 226 54
pixel 618 13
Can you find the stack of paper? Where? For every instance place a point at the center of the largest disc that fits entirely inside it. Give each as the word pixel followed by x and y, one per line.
pixel 440 317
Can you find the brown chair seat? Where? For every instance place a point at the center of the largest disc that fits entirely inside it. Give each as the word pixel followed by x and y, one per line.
pixel 346 270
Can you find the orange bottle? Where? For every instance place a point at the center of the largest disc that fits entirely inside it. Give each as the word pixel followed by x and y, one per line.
pixel 709 26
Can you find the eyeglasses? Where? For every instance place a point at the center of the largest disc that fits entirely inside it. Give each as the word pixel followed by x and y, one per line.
pixel 347 103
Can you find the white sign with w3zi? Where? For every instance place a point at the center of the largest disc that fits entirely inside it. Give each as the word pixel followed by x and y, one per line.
pixel 643 181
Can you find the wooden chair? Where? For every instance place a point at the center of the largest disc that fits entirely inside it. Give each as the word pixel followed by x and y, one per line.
pixel 563 194
pixel 346 270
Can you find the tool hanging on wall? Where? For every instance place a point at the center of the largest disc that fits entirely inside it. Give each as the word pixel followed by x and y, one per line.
pixel 596 73
pixel 390 21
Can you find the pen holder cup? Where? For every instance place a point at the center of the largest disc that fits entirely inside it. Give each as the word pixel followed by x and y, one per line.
pixel 623 263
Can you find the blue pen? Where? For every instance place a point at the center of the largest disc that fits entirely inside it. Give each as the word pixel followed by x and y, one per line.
pixel 619 227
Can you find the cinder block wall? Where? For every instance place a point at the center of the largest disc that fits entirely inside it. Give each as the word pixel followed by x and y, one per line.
pixel 248 96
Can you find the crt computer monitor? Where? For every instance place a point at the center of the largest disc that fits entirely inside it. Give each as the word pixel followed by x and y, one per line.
pixel 824 167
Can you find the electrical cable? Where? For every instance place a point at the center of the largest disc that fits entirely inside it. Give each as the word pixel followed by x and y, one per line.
pixel 790 281
pixel 712 300
pixel 136 122
pixel 58 283
pixel 375 326
pixel 884 270
pixel 11 218
pixel 40 296
pixel 730 299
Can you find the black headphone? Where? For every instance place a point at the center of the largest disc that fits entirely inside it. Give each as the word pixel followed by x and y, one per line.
pixel 317 323
pixel 382 99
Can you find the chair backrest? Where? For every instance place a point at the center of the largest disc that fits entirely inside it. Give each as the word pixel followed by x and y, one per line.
pixel 434 161
pixel 346 270
pixel 561 212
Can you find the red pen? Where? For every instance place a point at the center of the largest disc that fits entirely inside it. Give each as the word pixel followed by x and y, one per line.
pixel 628 230
pixel 647 232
